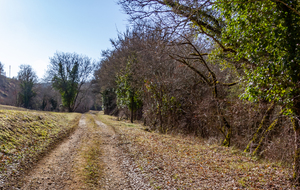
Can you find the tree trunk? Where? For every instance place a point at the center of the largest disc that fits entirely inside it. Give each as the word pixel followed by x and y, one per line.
pixel 264 122
pixel 160 119
pixel 227 139
pixel 132 99
pixel 296 174
pixel 264 135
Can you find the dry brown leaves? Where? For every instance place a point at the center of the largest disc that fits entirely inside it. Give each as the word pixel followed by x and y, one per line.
pixel 174 162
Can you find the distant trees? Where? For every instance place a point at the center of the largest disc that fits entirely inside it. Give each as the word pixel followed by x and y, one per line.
pixel 47 98
pixel 65 87
pixel 120 78
pixel 68 72
pixel 27 79
pixel 1 68
pixel 9 88
pixel 2 75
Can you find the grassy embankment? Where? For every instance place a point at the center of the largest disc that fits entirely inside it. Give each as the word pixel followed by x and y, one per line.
pixel 26 135
pixel 177 162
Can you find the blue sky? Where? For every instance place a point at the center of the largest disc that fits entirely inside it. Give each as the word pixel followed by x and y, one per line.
pixel 31 31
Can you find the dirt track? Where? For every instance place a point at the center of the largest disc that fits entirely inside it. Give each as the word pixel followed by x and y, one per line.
pixel 57 170
pixel 120 171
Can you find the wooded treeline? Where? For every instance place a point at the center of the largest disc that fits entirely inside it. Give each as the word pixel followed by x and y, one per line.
pixel 221 70
pixel 65 87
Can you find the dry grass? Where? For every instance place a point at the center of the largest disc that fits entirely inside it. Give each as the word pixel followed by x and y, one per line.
pixel 89 169
pixel 6 107
pixel 175 162
pixel 26 135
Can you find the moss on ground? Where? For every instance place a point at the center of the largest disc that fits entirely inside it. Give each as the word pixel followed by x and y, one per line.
pixel 26 135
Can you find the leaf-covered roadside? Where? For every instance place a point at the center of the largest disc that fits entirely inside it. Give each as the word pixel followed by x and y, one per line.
pixel 174 162
pixel 25 136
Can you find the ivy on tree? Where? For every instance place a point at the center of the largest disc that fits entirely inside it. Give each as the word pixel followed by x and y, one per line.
pixel 267 34
pixel 127 94
pixel 68 72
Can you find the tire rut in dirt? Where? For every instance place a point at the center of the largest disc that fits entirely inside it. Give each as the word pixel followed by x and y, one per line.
pixel 55 170
pixel 120 171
